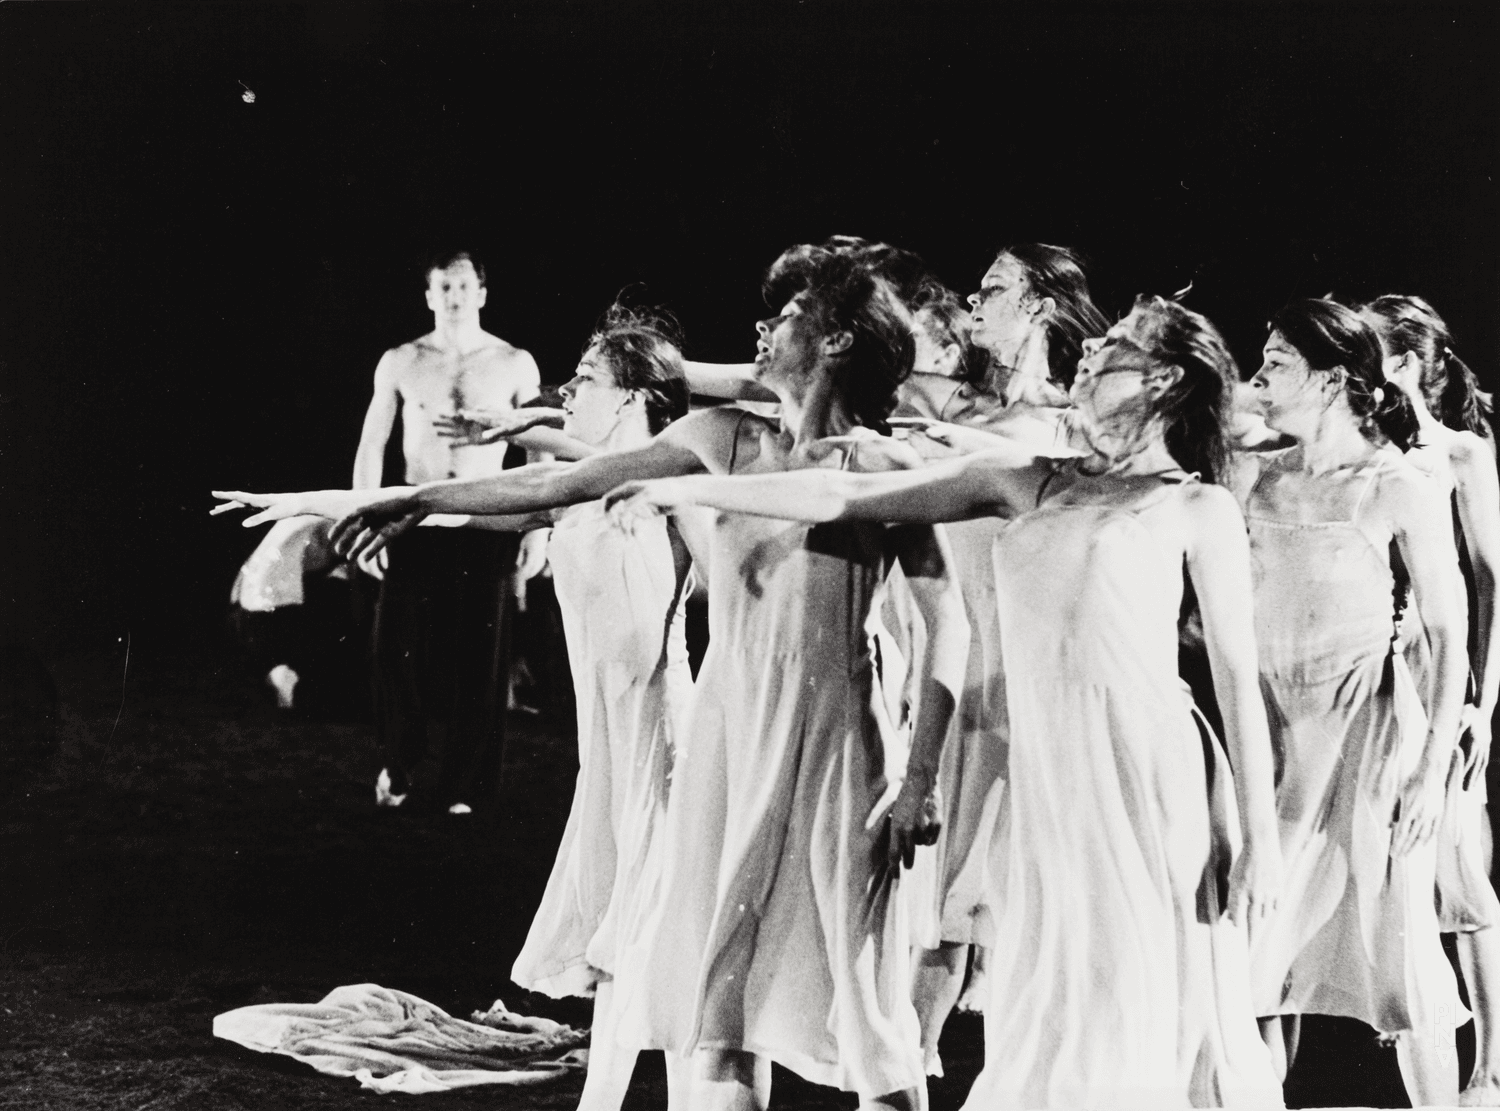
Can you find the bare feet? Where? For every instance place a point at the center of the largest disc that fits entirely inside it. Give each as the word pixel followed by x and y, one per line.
pixel 977 992
pixel 384 796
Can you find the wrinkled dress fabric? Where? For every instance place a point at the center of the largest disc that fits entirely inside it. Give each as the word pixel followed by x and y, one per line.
pixel 777 932
pixel 1466 899
pixel 1355 933
pixel 394 1042
pixel 1117 980
pixel 948 886
pixel 623 620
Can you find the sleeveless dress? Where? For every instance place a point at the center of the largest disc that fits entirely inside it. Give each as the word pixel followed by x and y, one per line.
pixel 778 931
pixel 1117 980
pixel 1466 899
pixel 948 887
pixel 623 620
pixel 1355 933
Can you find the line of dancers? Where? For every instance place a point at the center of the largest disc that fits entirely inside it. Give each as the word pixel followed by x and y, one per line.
pixel 956 580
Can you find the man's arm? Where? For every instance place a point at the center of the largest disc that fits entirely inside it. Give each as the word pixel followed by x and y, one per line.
pixel 728 381
pixel 380 417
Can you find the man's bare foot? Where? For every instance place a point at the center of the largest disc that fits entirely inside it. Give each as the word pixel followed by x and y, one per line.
pixel 1483 1091
pixel 976 992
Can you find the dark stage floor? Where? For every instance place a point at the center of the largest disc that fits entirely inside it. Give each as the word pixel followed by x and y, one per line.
pixel 209 853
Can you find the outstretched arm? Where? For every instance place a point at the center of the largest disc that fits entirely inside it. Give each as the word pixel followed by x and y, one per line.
pixel 729 381
pixel 1000 482
pixel 1218 562
pixel 1423 529
pixel 1478 491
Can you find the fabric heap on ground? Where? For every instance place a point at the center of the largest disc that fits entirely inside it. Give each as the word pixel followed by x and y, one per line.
pixel 394 1042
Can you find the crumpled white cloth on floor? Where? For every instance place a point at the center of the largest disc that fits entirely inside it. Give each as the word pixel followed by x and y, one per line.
pixel 394 1042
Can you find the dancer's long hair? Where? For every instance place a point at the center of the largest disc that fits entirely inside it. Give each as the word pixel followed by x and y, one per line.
pixel 838 288
pixel 1058 273
pixel 1196 409
pixel 1450 388
pixel 643 348
pixel 1330 335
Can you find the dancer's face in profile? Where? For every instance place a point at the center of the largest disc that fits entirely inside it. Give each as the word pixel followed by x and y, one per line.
pixel 788 345
pixel 1002 311
pixel 1286 385
pixel 1118 378
pixel 592 400
pixel 454 294
pixel 935 353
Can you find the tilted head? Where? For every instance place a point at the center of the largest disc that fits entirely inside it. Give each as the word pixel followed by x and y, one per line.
pixel 632 363
pixel 1417 344
pixel 1162 363
pixel 1031 287
pixel 835 316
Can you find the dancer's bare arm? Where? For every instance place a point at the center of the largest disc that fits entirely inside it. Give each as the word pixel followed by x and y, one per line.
pixel 1218 562
pixel 380 418
pixel 728 381
pixel 927 563
pixel 1002 482
pixel 1420 521
pixel 1478 492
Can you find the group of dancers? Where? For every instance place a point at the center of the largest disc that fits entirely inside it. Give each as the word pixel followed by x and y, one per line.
pixel 956 578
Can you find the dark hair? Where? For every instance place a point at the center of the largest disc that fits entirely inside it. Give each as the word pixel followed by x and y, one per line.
pixel 643 347
pixel 1057 272
pixel 1449 387
pixel 1196 408
pixel 950 318
pixel 839 290
pixel 903 271
pixel 450 259
pixel 1328 335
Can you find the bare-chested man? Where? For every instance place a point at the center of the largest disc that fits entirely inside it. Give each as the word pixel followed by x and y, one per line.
pixel 442 637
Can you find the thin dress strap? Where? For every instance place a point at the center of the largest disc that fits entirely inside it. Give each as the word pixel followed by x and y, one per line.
pixel 1374 474
pixel 734 445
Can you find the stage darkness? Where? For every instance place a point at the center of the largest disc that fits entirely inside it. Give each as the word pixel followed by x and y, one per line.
pixel 196 288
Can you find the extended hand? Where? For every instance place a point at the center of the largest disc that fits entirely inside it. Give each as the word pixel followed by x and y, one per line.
pixel 368 528
pixel 472 427
pixel 915 820
pixel 633 501
pixel 1419 809
pixel 278 507
pixel 1254 883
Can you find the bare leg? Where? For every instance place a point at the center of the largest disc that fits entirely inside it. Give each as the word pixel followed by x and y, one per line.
pixel 679 1083
pixel 731 1080
pixel 1429 1065
pixel 610 1064
pixel 1479 956
pixel 937 978
pixel 977 994
pixel 1271 1034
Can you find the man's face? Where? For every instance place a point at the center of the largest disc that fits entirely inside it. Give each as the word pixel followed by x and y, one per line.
pixel 455 295
pixel 592 399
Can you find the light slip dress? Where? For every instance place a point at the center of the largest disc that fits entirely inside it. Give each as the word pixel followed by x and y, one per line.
pixel 1355 933
pixel 1466 899
pixel 778 933
pixel 621 603
pixel 1117 980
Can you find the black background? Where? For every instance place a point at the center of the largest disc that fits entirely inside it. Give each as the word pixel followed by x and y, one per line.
pixel 194 290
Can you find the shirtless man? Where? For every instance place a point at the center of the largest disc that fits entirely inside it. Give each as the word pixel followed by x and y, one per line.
pixel 442 636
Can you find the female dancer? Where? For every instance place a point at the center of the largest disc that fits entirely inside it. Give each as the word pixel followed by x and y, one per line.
pixel 621 606
pixel 777 933
pixel 1362 771
pixel 1121 983
pixel 1455 445
pixel 1033 309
